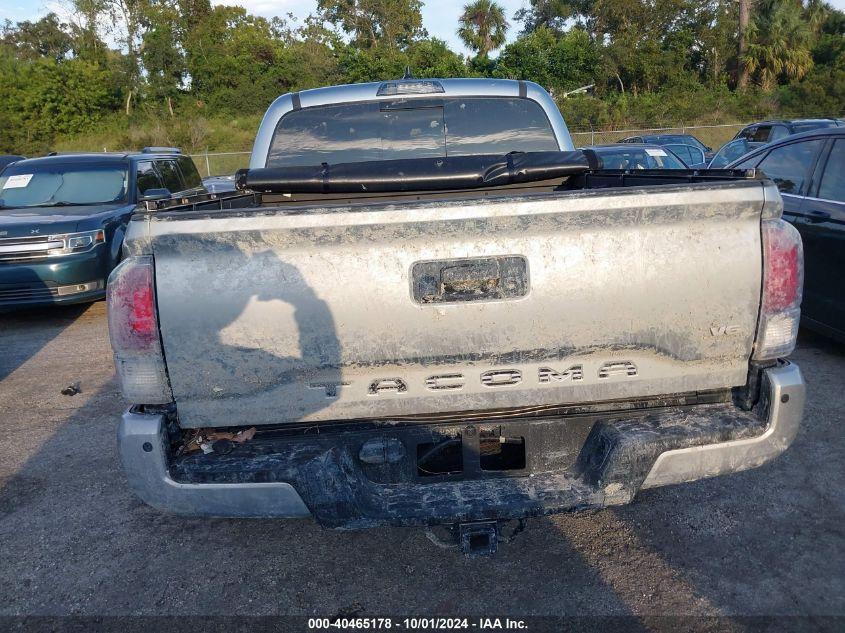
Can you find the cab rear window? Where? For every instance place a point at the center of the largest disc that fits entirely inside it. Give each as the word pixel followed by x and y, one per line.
pixel 410 128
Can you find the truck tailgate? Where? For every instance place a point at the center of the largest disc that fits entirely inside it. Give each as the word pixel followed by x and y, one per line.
pixel 280 315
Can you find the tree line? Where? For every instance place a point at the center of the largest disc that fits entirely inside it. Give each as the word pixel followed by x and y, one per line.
pixel 125 63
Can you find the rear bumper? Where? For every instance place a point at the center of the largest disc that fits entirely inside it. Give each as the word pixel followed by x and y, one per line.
pixel 322 474
pixel 783 404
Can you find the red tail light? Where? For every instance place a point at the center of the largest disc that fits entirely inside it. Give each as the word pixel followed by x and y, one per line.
pixel 783 279
pixel 131 305
pixel 133 329
pixel 782 257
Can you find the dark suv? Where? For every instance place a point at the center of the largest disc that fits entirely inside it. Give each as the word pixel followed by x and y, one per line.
pixel 758 134
pixel 62 219
pixel 809 170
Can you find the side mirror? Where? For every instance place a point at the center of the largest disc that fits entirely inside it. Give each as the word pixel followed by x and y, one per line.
pixel 155 194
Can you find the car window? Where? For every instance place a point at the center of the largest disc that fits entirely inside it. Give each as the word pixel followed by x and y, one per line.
pixel 761 134
pixel 751 162
pixel 833 183
pixel 682 152
pixel 638 158
pixel 27 184
pixel 475 126
pixel 729 153
pixel 806 126
pixel 679 139
pixel 147 177
pixel 748 133
pixel 691 140
pixel 658 161
pixel 410 128
pixel 778 132
pixel 189 172
pixel 787 165
pixel 170 176
pixel 690 154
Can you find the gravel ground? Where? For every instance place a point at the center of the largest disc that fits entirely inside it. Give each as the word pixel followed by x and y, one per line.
pixel 74 540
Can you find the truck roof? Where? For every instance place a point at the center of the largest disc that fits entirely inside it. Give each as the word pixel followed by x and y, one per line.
pixel 417 88
pixel 96 157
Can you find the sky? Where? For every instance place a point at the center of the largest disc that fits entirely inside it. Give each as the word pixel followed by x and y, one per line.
pixel 440 17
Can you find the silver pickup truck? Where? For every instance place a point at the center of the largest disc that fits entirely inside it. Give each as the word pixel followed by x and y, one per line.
pixel 425 307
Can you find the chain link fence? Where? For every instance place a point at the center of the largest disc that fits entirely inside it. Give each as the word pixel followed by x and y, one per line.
pixel 220 163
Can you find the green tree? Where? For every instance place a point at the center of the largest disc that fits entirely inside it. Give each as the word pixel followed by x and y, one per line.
pixel 556 62
pixel 551 14
pixel 714 48
pixel 426 58
pixel 780 43
pixel 126 18
pixel 47 37
pixel 236 61
pixel 46 97
pixel 829 46
pixel 432 58
pixel 392 23
pixel 311 53
pixel 192 12
pixel 87 43
pixel 483 26
pixel 161 52
pixel 822 90
pixel 646 44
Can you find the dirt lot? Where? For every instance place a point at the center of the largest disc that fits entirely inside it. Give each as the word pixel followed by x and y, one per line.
pixel 74 540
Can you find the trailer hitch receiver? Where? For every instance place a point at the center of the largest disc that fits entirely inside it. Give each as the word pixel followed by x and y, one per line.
pixel 479 539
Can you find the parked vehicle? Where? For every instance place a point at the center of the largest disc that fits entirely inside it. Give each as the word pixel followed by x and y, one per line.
pixel 758 134
pixel 729 152
pixel 8 159
pixel 675 140
pixel 809 170
pixel 431 309
pixel 63 218
pixel 636 156
pixel 692 156
pixel 219 184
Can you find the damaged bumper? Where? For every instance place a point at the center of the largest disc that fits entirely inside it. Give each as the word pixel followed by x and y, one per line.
pixel 361 476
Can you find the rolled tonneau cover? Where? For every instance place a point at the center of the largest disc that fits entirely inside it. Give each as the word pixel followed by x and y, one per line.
pixel 416 174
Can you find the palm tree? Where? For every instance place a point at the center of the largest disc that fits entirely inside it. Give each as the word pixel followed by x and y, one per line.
pixel 483 26
pixel 780 42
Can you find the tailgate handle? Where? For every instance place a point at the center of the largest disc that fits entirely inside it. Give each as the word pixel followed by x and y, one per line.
pixel 470 279
pixel 481 278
